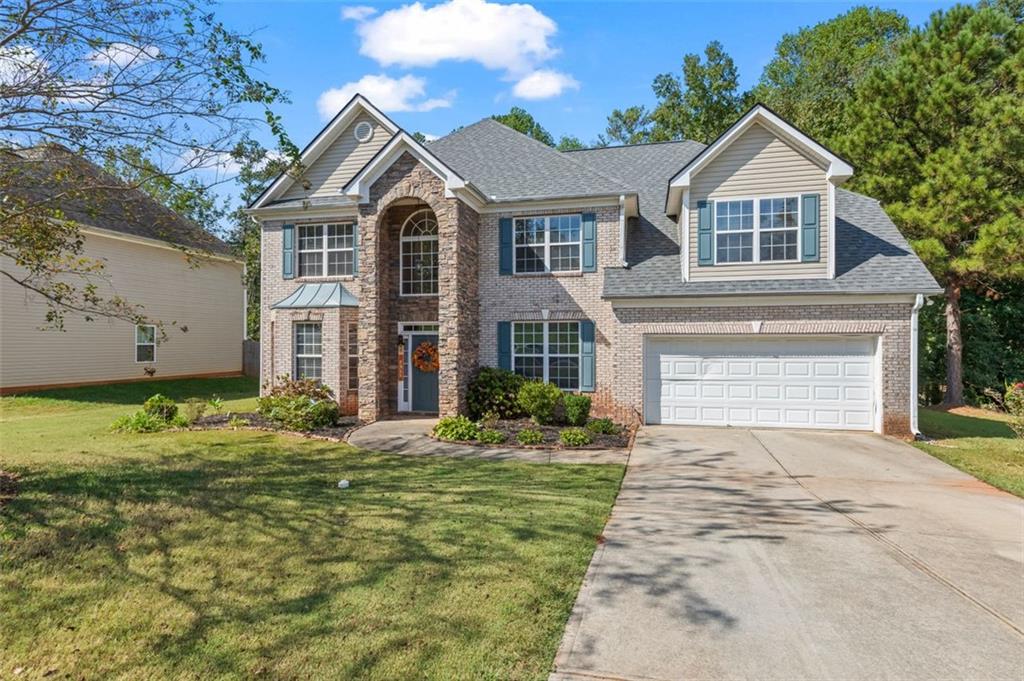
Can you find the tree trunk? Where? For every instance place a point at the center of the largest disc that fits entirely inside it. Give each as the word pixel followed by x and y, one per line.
pixel 954 349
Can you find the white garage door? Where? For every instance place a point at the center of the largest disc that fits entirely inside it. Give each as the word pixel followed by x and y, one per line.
pixel 779 382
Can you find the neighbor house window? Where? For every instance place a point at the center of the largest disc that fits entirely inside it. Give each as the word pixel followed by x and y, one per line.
pixel 353 356
pixel 145 343
pixel 327 250
pixel 309 351
pixel 547 244
pixel 547 351
pixel 419 254
pixel 763 230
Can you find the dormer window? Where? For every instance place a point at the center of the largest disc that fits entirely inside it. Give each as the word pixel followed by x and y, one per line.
pixel 772 224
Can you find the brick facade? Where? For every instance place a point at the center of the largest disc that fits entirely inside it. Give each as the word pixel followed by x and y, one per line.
pixel 473 297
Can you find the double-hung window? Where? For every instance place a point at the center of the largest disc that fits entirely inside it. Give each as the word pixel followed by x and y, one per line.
pixel 327 250
pixel 761 230
pixel 145 343
pixel 547 244
pixel 309 350
pixel 547 351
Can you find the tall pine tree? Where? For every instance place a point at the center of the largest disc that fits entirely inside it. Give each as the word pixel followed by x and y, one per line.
pixel 938 137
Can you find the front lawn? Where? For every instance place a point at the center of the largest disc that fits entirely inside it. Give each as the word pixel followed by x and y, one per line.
pixel 977 442
pixel 223 554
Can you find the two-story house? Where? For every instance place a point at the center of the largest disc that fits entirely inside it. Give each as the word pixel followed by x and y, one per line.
pixel 730 284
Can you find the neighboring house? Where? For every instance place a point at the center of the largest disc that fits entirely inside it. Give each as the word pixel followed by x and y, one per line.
pixel 181 275
pixel 733 284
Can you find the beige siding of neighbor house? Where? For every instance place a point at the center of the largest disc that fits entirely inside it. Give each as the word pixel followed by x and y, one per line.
pixel 759 164
pixel 345 157
pixel 207 300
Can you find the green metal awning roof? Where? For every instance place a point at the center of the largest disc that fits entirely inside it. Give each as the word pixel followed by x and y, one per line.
pixel 318 295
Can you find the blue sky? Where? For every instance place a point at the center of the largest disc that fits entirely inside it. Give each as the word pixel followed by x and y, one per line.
pixel 451 63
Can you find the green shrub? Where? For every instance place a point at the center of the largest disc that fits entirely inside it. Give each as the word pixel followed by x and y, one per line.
pixel 236 422
pixel 301 404
pixel 456 428
pixel 530 436
pixel 495 391
pixel 541 401
pixel 491 437
pixel 603 427
pixel 1014 403
pixel 577 409
pixel 195 407
pixel 575 437
pixel 161 407
pixel 139 422
pixel 216 403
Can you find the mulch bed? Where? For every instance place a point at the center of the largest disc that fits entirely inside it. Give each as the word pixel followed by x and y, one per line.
pixel 511 427
pixel 337 433
pixel 8 486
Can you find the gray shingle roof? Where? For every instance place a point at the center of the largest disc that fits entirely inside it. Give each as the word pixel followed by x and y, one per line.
pixel 508 166
pixel 871 257
pixel 44 173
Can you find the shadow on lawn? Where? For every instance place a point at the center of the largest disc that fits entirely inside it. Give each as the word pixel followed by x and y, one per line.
pixel 284 559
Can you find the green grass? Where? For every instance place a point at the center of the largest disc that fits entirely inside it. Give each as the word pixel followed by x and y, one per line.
pixel 233 554
pixel 977 442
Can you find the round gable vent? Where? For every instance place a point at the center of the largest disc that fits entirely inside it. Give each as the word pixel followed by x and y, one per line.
pixel 363 131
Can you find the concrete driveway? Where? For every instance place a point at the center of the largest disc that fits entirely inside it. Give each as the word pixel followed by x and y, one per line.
pixel 737 554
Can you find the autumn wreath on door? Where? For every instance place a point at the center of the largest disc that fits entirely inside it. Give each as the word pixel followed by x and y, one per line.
pixel 425 358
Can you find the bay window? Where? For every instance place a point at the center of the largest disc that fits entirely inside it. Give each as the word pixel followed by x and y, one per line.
pixel 309 350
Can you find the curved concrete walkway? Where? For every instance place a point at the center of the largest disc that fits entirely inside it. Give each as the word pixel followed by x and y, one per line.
pixel 411 436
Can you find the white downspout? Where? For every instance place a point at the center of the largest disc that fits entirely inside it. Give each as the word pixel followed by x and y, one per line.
pixel 622 230
pixel 918 304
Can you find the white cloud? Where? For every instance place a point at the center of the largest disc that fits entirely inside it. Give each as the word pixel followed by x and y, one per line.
pixel 430 138
pixel 389 94
pixel 20 64
pixel 357 12
pixel 544 84
pixel 513 38
pixel 122 55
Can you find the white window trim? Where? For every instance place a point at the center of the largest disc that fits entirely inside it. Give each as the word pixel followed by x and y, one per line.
pixel 136 343
pixel 547 355
pixel 756 231
pixel 323 250
pixel 547 244
pixel 403 240
pixel 295 346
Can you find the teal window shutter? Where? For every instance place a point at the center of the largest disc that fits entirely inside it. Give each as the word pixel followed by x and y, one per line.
pixel 809 228
pixel 288 251
pixel 589 221
pixel 705 234
pixel 505 252
pixel 355 248
pixel 505 345
pixel 588 364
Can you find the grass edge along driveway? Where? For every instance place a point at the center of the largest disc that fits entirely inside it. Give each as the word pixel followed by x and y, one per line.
pixel 233 554
pixel 977 442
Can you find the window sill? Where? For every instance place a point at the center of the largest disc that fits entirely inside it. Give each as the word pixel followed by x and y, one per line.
pixel 532 275
pixel 337 277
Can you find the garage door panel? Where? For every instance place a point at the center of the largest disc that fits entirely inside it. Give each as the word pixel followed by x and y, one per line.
pixel 807 383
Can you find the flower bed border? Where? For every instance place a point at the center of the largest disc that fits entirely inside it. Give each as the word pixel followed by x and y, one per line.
pixel 512 443
pixel 310 435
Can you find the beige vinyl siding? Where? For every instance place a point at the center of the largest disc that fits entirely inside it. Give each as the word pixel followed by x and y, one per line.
pixel 207 300
pixel 340 161
pixel 759 164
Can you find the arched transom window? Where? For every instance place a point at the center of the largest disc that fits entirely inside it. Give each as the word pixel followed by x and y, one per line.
pixel 419 254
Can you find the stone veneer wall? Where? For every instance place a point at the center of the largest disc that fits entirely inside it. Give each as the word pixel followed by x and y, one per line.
pixel 890 321
pixel 380 306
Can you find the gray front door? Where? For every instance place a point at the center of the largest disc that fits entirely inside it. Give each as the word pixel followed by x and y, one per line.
pixel 424 383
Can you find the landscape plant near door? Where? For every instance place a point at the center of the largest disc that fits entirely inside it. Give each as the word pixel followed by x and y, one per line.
pixel 494 391
pixel 541 401
pixel 300 404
